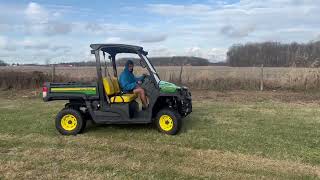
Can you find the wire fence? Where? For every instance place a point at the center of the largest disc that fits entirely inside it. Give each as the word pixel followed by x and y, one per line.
pixel 197 77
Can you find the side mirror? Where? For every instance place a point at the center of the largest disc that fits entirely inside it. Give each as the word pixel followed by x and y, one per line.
pixel 142 64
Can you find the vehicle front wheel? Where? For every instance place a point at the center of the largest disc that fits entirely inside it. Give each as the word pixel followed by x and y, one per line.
pixel 69 122
pixel 168 121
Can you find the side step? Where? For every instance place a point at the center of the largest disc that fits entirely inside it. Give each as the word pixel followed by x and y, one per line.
pixel 114 118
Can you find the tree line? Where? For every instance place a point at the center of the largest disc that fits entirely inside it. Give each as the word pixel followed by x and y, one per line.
pixel 2 63
pixel 170 61
pixel 275 54
pixel 156 61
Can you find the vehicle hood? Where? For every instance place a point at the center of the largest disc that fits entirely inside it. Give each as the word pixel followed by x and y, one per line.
pixel 167 87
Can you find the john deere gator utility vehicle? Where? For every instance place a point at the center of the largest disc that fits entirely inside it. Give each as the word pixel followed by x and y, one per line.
pixel 103 102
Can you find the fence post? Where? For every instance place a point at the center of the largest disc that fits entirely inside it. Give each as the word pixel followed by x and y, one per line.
pixel 53 72
pixel 180 76
pixel 261 78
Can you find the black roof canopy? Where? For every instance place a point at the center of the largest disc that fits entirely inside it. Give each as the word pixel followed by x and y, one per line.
pixel 118 48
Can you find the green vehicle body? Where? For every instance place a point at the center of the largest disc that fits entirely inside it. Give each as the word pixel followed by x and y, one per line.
pixel 167 87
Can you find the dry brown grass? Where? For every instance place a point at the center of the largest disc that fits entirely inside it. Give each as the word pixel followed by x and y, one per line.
pixel 25 80
pixel 208 77
pixel 22 80
pixel 80 156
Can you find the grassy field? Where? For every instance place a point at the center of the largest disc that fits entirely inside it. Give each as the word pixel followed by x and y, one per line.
pixel 234 135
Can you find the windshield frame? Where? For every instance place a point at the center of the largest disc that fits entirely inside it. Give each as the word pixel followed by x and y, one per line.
pixel 150 67
pixel 146 59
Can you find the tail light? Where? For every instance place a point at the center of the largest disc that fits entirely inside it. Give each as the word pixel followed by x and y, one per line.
pixel 44 91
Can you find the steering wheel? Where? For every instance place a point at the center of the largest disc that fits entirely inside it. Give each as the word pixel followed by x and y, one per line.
pixel 146 82
pixel 146 78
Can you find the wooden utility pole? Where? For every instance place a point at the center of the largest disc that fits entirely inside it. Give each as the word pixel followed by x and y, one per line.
pixel 53 72
pixel 261 78
pixel 181 71
pixel 180 76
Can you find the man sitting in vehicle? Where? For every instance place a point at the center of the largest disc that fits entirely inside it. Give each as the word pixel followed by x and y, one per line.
pixel 130 83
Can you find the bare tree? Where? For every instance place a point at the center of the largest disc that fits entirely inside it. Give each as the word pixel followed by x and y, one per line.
pixel 2 63
pixel 274 54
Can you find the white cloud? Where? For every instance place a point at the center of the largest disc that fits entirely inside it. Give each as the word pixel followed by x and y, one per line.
pixel 213 54
pixel 124 33
pixel 170 9
pixel 114 40
pixel 36 13
pixel 236 32
pixel 3 42
pixel 161 52
pixel 107 28
pixel 6 45
pixel 194 51
pixel 33 44
pixel 316 37
pixel 57 14
pixel 217 54
pixel 152 38
pixel 54 28
pixel 4 27
pixel 60 47
pixel 40 20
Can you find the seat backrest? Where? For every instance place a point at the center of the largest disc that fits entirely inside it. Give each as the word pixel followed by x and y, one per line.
pixel 116 86
pixel 108 86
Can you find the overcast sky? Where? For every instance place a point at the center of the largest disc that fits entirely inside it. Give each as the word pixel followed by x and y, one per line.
pixel 57 31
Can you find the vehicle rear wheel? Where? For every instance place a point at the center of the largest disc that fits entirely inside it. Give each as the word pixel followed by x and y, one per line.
pixel 168 121
pixel 69 122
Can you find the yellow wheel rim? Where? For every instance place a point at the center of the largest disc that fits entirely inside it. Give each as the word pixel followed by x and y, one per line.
pixel 166 122
pixel 68 122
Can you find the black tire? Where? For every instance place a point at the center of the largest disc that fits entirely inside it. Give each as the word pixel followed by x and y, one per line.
pixel 172 124
pixel 75 123
pixel 83 126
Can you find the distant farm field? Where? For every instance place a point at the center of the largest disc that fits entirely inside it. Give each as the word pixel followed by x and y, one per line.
pixel 234 135
pixel 208 77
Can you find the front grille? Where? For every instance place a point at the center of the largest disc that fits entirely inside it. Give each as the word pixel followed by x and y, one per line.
pixel 185 93
pixel 186 107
